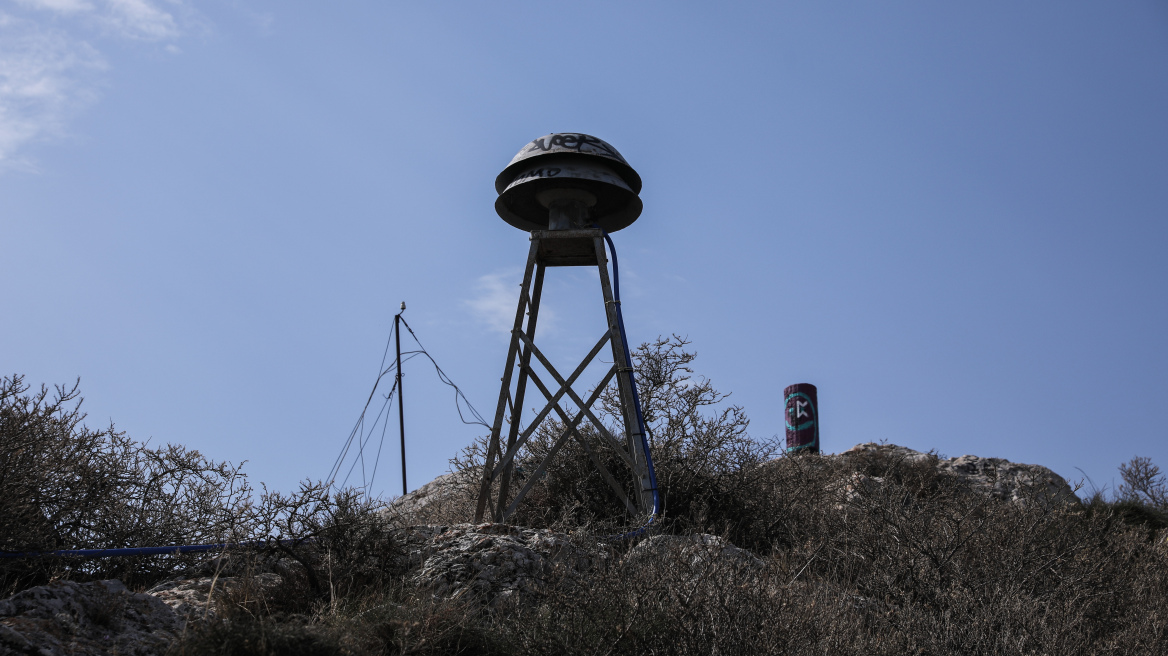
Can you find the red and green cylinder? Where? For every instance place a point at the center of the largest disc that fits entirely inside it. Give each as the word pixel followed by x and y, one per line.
pixel 802 413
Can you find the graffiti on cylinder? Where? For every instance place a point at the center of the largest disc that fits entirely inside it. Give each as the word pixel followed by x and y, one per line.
pixel 579 142
pixel 802 412
pixel 541 172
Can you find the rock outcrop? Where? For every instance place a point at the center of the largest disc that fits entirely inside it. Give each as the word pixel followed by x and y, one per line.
pixel 1011 481
pixel 446 499
pixel 83 619
pixel 436 490
pixel 493 560
pixel 103 617
pixel 994 477
pixel 193 599
pixel 702 553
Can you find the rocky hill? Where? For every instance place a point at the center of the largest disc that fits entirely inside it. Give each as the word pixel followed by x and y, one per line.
pixel 871 497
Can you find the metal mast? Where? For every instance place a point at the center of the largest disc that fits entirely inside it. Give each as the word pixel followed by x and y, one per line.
pixel 401 411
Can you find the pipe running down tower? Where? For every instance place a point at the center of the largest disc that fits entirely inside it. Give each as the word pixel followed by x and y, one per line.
pixel 568 190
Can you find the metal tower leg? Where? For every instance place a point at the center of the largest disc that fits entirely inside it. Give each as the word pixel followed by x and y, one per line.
pixel 521 386
pixel 505 394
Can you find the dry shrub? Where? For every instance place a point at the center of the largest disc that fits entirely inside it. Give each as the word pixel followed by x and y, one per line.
pixel 393 619
pixel 705 460
pixel 66 486
pixel 881 571
pixel 869 554
pixel 448 499
pixel 909 563
pixel 342 541
pixel 1143 483
pixel 259 636
pixel 872 554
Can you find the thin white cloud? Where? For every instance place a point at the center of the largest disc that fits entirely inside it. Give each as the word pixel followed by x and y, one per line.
pixel 497 296
pixel 130 19
pixel 49 68
pixel 495 303
pixel 139 19
pixel 45 79
pixel 59 6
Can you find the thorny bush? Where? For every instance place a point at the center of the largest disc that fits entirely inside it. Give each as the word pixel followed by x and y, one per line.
pixel 869 553
pixel 877 555
pixel 65 486
pixel 704 458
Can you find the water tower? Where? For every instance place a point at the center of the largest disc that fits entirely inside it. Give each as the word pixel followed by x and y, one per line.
pixel 568 190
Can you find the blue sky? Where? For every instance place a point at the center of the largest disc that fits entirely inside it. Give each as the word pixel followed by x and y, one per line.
pixel 949 218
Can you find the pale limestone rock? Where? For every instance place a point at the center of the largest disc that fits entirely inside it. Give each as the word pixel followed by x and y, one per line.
pixel 493 560
pixel 994 477
pixel 1011 481
pixel 697 550
pixel 83 619
pixel 193 599
pixel 446 499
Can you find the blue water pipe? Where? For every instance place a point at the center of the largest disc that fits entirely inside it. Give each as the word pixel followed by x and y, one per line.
pixel 145 551
pixel 620 321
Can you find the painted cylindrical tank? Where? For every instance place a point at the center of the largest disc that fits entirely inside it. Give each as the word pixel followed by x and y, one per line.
pixel 802 414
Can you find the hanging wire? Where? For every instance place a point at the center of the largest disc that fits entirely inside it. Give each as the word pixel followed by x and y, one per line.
pixel 368 485
pixel 358 427
pixel 361 437
pixel 380 443
pixel 364 440
pixel 358 434
pixel 479 421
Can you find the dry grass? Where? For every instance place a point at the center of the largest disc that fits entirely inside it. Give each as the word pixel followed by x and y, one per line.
pixel 915 564
pixel 865 555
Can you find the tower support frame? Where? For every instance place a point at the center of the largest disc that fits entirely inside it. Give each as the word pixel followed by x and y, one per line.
pixel 557 248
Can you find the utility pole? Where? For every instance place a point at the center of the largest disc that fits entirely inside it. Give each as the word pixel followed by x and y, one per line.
pixel 401 412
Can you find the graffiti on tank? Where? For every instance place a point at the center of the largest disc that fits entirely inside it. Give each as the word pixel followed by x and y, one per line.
pixel 800 412
pixel 578 142
pixel 549 172
pixel 802 423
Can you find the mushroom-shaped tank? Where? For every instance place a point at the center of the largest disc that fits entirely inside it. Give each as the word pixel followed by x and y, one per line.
pixel 567 180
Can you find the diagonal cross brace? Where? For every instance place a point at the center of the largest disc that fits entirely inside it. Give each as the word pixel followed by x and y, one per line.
pixel 559 248
pixel 624 455
pixel 571 431
pixel 584 407
pixel 493 446
pixel 532 301
pixel 565 387
pixel 573 423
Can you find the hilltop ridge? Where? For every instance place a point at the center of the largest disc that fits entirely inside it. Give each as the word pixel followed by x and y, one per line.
pixel 898 551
